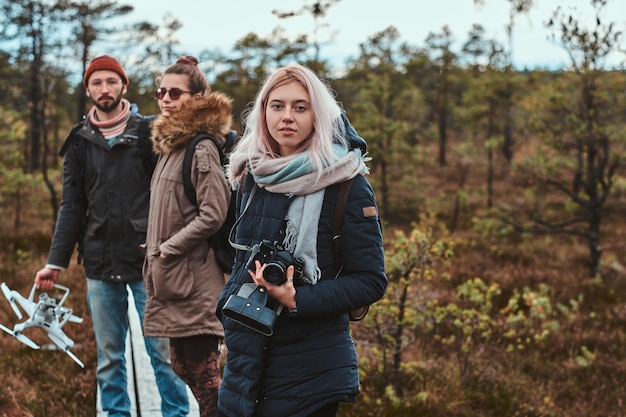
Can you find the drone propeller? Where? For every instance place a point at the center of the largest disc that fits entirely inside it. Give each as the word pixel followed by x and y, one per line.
pixel 20 337
pixel 75 319
pixel 65 315
pixel 7 293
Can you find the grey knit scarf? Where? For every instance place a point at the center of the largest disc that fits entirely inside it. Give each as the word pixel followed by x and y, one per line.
pixel 293 175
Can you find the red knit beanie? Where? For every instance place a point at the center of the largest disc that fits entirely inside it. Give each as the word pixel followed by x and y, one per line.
pixel 104 62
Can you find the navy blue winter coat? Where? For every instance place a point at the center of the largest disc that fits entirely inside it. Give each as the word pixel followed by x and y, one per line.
pixel 310 360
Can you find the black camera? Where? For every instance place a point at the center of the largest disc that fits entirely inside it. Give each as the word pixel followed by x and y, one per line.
pixel 252 306
pixel 277 260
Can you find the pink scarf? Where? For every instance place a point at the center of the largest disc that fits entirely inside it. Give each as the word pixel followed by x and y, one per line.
pixel 114 127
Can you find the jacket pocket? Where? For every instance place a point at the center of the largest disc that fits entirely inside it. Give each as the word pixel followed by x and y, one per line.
pixel 139 241
pixel 140 225
pixel 172 277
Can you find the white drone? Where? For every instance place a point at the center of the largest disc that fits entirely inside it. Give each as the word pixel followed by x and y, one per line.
pixel 45 314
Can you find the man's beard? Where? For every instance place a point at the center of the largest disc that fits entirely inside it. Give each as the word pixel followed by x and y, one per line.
pixel 107 106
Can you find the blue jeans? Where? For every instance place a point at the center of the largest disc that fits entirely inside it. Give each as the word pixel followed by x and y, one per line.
pixel 108 306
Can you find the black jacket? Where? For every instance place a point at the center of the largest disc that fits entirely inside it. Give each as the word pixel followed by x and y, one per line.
pixel 310 360
pixel 106 193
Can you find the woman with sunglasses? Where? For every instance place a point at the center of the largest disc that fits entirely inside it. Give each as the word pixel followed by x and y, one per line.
pixel 295 153
pixel 182 277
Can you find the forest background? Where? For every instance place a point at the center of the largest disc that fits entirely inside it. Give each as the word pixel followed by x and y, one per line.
pixel 501 190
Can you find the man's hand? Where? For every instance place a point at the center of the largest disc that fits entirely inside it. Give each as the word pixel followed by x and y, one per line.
pixel 46 278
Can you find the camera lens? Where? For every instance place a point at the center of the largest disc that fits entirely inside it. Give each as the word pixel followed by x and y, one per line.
pixel 274 273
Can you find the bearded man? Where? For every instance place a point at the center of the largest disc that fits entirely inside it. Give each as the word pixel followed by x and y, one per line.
pixel 107 166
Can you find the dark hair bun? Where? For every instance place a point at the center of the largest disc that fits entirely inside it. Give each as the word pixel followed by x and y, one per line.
pixel 188 59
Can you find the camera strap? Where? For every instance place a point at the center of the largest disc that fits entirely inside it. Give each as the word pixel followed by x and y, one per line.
pixel 232 229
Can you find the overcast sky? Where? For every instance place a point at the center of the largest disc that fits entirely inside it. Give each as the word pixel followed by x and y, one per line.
pixel 210 24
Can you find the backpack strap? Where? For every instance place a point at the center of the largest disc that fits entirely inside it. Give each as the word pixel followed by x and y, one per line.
pixel 231 139
pixel 340 211
pixel 190 191
pixel 148 157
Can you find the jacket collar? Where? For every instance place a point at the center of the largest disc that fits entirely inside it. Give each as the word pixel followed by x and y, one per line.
pixel 210 114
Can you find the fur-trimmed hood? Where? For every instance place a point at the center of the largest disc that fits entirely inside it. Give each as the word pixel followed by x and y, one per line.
pixel 210 114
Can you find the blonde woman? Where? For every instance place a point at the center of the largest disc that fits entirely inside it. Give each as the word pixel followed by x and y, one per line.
pixel 295 151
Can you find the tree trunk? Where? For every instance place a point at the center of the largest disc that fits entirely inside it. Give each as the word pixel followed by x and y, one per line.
pixel 442 109
pixel 442 125
pixel 397 354
pixel 384 189
pixel 54 204
pixel 82 98
pixel 507 145
pixel 18 210
pixel 595 251
pixel 490 129
pixel 442 138
pixel 36 105
pixel 457 203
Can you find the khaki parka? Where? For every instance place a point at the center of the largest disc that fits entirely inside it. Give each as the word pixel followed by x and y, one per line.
pixel 182 289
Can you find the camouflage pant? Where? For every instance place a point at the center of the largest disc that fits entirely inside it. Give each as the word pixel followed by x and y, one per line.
pixel 195 360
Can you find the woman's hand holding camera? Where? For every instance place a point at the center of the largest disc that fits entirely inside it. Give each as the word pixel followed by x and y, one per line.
pixel 285 293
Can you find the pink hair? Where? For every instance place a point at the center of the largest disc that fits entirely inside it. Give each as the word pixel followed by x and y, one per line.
pixel 327 127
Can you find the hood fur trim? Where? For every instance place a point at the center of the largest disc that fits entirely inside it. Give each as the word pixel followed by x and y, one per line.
pixel 210 114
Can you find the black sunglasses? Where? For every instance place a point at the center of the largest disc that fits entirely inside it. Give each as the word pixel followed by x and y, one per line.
pixel 175 93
